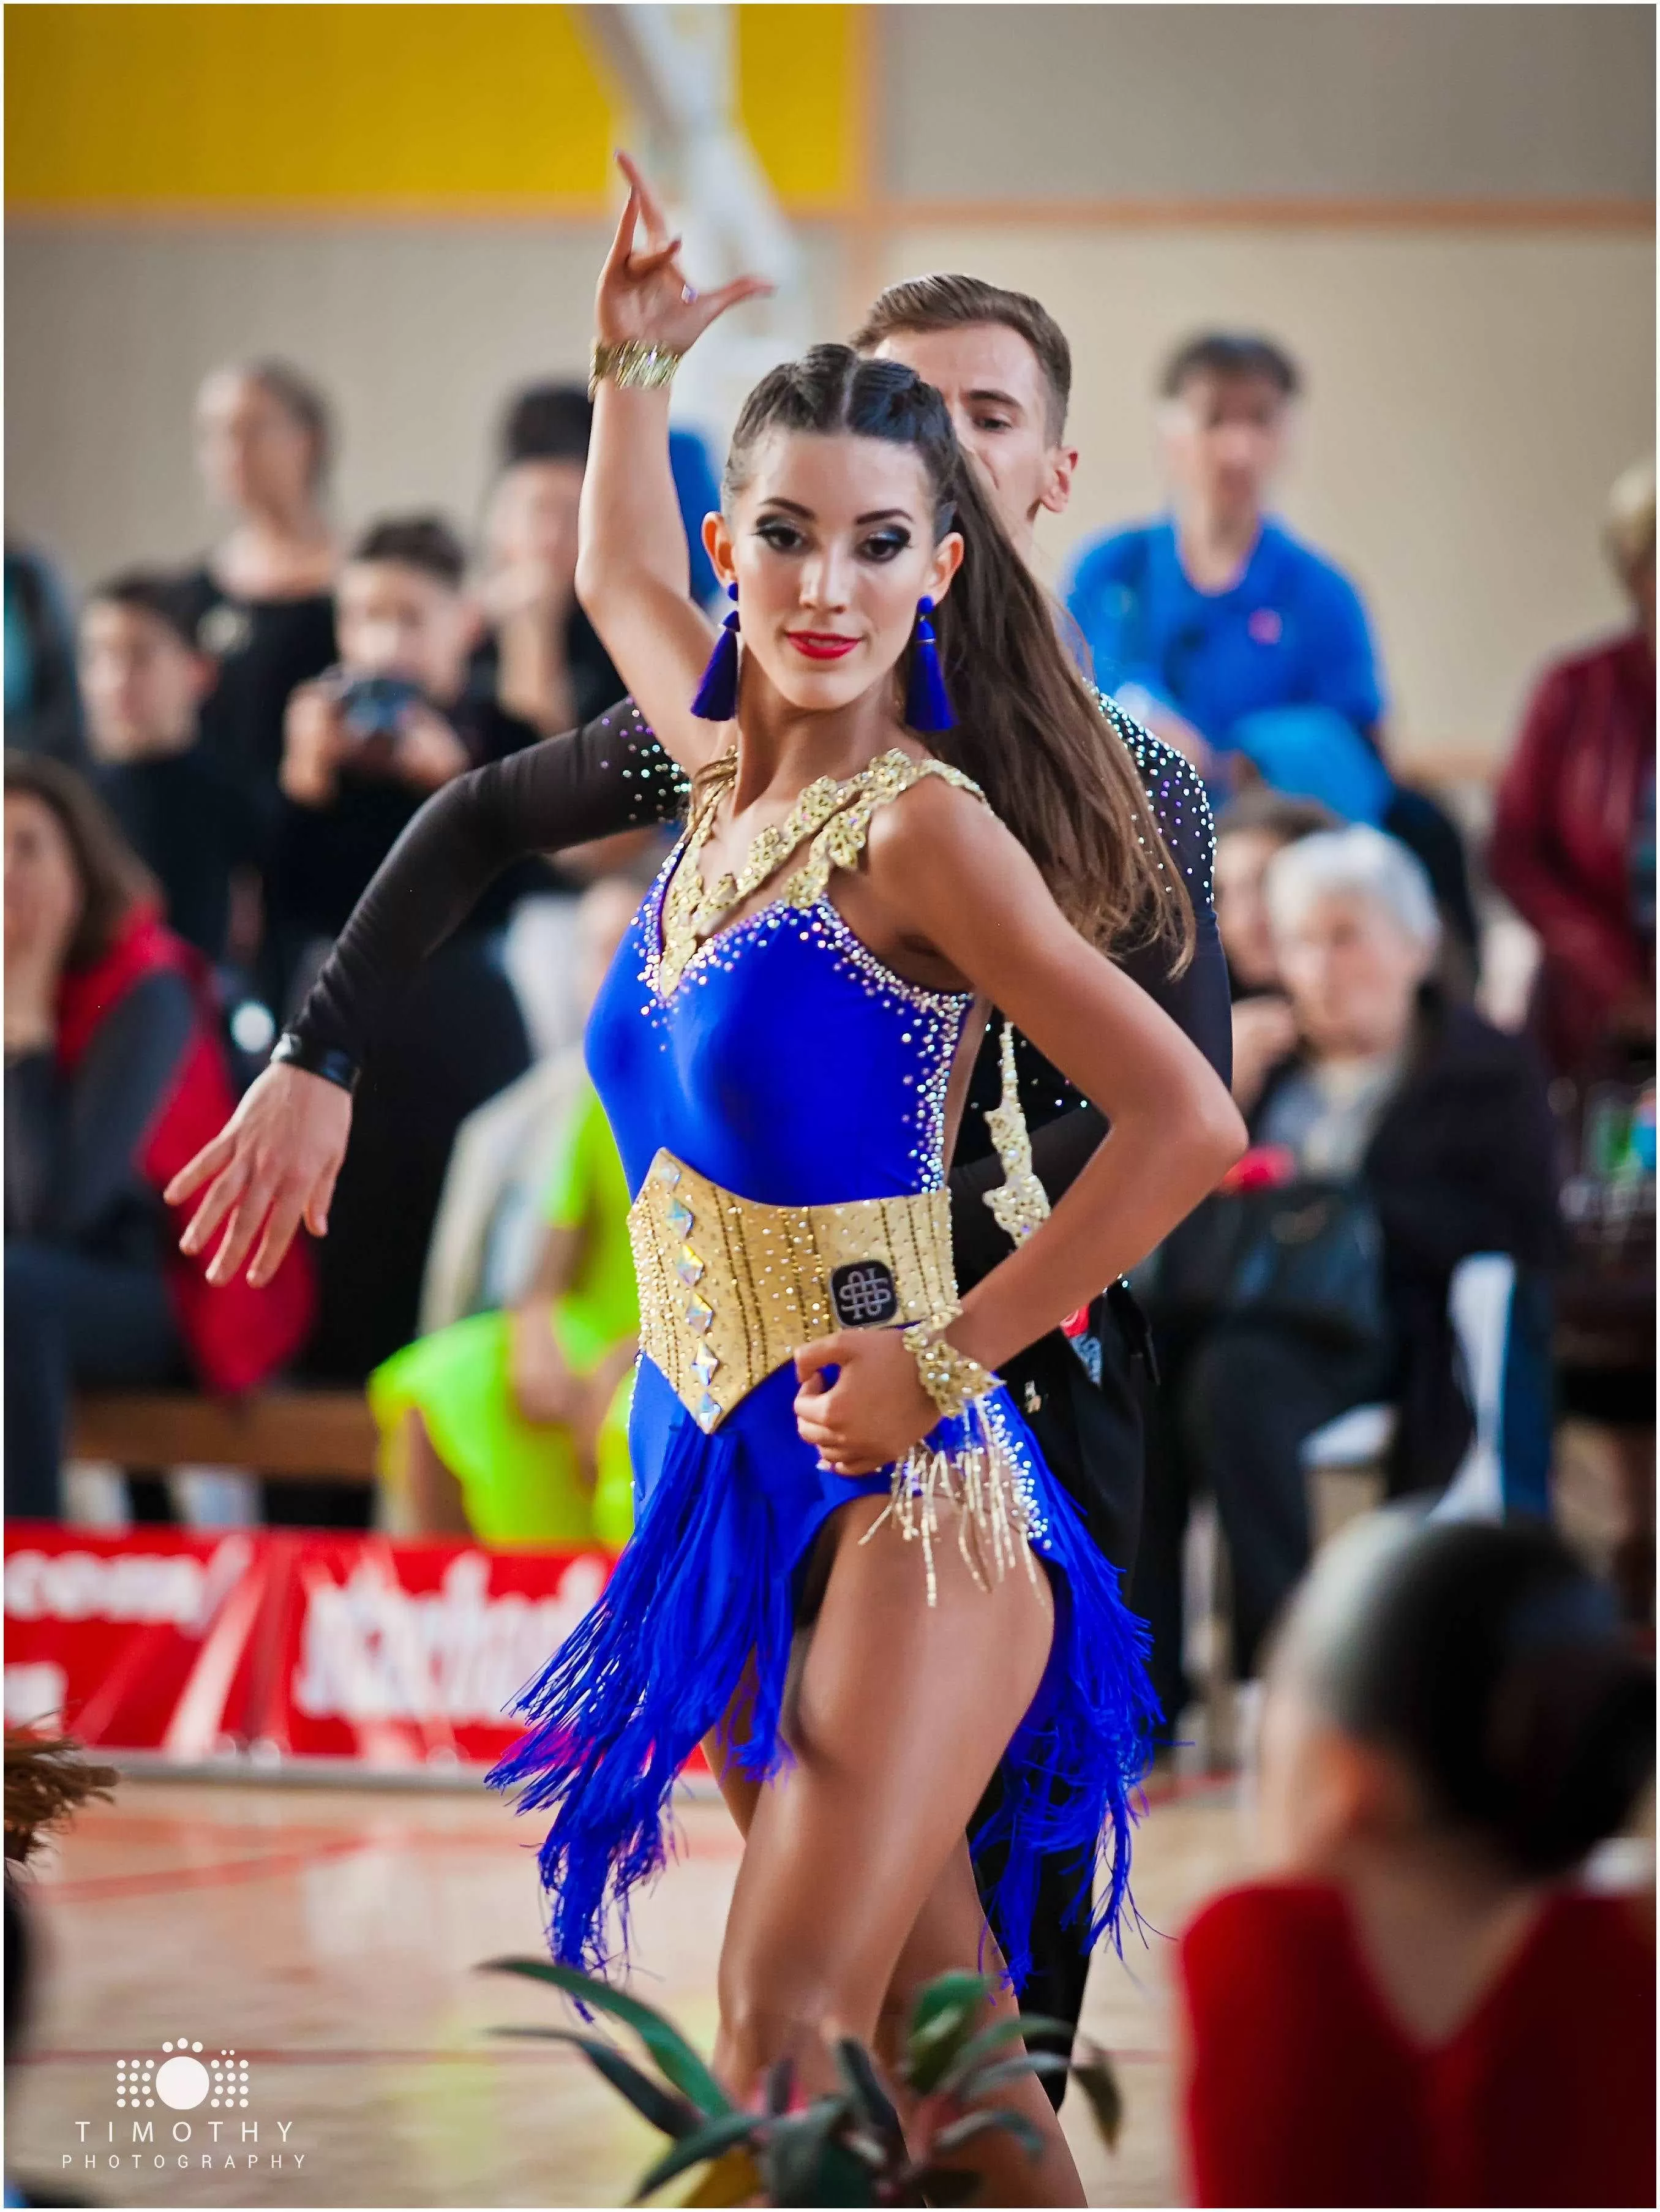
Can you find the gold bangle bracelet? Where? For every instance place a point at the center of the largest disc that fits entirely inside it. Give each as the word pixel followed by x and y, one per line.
pixel 951 1378
pixel 631 363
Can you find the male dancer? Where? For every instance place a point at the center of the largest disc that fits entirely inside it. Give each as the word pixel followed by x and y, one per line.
pixel 1004 367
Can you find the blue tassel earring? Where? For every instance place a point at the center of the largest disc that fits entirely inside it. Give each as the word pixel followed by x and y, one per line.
pixel 717 694
pixel 928 702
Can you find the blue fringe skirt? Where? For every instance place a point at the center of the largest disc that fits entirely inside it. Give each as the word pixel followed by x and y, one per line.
pixel 724 1525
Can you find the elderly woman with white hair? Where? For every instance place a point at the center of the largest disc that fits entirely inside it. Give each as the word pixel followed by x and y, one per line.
pixel 1438 1124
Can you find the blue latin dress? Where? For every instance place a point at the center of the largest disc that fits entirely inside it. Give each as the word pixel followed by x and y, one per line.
pixel 786 1063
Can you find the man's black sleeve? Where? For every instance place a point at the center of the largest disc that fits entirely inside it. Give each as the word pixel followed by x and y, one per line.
pixel 610 776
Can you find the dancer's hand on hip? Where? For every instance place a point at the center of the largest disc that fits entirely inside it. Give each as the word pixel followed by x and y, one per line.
pixel 272 1166
pixel 643 295
pixel 874 1411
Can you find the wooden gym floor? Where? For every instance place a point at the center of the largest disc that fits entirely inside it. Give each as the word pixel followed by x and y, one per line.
pixel 328 1938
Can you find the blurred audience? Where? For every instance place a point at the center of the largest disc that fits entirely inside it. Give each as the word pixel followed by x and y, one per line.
pixel 262 601
pixel 43 709
pixel 1232 638
pixel 543 660
pixel 114 1078
pixel 367 744
pixel 1573 833
pixel 1401 1135
pixel 368 741
pixel 512 1426
pixel 1422 2003
pixel 1249 831
pixel 144 678
pixel 1573 849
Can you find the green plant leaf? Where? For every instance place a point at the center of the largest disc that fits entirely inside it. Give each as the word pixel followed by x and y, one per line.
pixel 941 2021
pixel 871 2100
pixel 1001 2120
pixel 804 2165
pixel 681 2064
pixel 709 2140
pixel 673 2116
pixel 779 2086
pixel 979 2048
pixel 985 2078
pixel 1095 2076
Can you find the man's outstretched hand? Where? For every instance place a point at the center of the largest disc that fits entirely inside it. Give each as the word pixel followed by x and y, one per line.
pixel 271 1167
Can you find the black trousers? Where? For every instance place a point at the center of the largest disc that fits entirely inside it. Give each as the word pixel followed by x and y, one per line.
pixel 1091 1434
pixel 1237 1403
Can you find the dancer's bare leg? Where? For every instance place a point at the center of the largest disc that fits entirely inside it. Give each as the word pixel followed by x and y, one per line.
pixel 900 1714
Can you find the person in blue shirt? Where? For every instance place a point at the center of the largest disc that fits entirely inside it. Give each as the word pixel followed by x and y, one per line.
pixel 1224 632
pixel 1215 618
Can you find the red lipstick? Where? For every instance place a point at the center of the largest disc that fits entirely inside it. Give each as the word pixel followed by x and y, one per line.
pixel 820 645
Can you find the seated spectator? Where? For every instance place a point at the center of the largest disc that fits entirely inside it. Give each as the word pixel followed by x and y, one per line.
pixel 144 678
pixel 543 660
pixel 1573 849
pixel 1233 640
pixel 114 1077
pixel 1249 831
pixel 43 709
pixel 366 745
pixel 1435 1127
pixel 1421 2003
pixel 512 1426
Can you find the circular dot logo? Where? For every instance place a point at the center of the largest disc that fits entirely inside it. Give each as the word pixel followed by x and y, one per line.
pixel 181 2083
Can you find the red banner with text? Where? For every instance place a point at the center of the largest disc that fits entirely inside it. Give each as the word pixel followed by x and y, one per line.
pixel 281 1644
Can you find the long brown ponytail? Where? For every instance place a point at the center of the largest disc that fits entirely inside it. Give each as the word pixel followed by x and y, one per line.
pixel 1029 730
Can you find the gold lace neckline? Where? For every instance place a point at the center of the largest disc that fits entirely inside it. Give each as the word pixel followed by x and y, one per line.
pixel 835 815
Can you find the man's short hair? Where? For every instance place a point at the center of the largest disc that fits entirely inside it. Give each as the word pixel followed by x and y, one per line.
pixel 1231 357
pixel 947 302
pixel 425 542
pixel 150 592
pixel 546 422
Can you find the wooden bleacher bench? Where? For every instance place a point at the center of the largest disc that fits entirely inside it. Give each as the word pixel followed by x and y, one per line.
pixel 326 1435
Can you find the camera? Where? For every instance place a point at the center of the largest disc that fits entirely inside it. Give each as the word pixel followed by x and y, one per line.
pixel 375 706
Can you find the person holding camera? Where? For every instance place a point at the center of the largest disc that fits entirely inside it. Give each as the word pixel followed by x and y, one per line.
pixel 365 745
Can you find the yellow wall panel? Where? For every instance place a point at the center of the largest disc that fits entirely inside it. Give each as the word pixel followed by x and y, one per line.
pixel 800 98
pixel 359 106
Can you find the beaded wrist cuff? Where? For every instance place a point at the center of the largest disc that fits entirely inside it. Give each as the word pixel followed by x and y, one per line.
pixel 292 1050
pixel 632 363
pixel 951 1378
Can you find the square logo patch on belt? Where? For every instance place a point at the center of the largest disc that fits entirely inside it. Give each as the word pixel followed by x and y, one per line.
pixel 863 1294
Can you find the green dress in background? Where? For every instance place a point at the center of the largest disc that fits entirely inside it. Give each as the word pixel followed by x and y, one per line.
pixel 521 1479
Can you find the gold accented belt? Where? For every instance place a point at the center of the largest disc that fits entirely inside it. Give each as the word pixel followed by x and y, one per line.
pixel 731 1289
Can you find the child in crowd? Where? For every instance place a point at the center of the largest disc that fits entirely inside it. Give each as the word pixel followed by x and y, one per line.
pixel 365 745
pixel 143 680
pixel 1422 2006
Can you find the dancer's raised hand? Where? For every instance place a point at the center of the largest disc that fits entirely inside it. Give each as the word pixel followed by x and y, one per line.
pixel 643 295
pixel 272 1166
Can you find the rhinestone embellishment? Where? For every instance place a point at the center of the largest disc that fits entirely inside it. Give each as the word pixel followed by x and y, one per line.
pixel 699 1314
pixel 678 1218
pixel 687 1266
pixel 703 1364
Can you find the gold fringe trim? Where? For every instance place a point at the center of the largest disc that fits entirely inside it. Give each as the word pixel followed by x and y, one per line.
pixel 994 1519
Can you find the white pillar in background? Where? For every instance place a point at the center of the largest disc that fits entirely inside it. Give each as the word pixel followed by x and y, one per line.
pixel 676 69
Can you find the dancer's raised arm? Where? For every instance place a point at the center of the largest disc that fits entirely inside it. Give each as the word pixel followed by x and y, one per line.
pixel 632 573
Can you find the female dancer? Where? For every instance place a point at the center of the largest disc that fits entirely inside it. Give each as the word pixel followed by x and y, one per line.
pixel 780 1047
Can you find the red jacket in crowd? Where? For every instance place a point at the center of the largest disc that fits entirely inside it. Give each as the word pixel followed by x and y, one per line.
pixel 236 1336
pixel 1567 839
